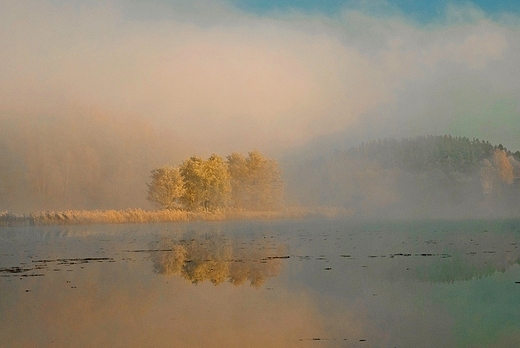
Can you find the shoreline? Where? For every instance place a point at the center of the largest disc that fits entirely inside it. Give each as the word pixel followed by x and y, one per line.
pixel 141 216
pixel 86 217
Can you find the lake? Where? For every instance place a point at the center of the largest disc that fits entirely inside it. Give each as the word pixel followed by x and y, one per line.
pixel 279 283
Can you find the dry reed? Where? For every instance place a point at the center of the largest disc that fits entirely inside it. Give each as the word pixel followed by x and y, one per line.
pixel 77 217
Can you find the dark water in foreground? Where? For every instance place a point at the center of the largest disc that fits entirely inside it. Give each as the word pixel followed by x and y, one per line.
pixel 318 283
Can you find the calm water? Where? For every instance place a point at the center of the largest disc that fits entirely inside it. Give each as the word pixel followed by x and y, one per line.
pixel 317 283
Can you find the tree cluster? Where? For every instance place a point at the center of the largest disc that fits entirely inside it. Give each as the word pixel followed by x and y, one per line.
pixel 252 183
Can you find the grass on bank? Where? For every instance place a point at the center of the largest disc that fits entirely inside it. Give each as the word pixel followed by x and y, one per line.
pixel 79 217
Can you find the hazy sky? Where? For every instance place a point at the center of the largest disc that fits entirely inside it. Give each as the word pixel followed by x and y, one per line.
pixel 272 75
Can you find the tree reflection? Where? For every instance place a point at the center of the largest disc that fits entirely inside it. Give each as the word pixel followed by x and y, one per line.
pixel 471 256
pixel 462 267
pixel 216 258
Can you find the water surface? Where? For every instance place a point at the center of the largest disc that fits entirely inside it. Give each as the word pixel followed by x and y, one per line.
pixel 307 283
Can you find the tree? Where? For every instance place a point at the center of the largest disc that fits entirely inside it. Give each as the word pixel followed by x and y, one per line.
pixel 238 172
pixel 206 183
pixel 503 165
pixel 217 181
pixel 256 182
pixel 265 186
pixel 166 188
pixel 192 175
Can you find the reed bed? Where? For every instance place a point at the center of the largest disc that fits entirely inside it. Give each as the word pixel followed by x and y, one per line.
pixel 81 217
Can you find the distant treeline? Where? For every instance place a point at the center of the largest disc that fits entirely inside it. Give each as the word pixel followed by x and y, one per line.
pixel 246 183
pixel 430 176
pixel 83 161
pixel 455 154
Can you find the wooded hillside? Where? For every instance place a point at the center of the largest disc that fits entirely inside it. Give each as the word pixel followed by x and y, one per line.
pixel 433 176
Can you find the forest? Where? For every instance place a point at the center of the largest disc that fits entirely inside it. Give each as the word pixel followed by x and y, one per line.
pixel 86 161
pixel 427 176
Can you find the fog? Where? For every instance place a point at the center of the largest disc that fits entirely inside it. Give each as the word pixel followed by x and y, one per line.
pixel 95 95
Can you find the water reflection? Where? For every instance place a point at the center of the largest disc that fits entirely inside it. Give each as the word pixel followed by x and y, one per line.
pixel 216 258
pixel 98 290
pixel 397 252
pixel 464 256
pixel 315 283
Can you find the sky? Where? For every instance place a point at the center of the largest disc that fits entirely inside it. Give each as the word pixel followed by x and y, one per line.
pixel 423 11
pixel 235 75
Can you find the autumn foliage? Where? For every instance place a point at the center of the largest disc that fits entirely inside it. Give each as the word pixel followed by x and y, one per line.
pixel 238 182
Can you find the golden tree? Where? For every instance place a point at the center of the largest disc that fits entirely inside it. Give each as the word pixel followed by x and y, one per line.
pixel 206 183
pixel 166 188
pixel 265 185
